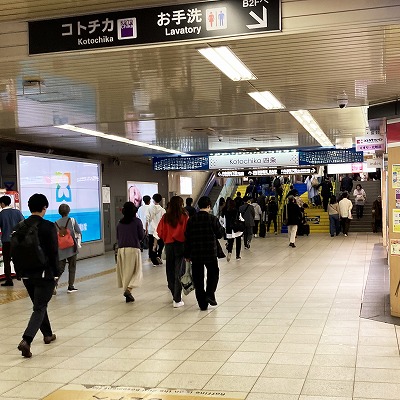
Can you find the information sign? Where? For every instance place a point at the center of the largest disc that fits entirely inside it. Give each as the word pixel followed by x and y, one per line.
pixel 164 24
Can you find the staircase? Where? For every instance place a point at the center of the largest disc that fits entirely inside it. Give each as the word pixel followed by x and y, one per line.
pixel 373 190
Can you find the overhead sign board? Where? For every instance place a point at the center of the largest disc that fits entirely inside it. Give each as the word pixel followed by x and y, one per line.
pixel 265 172
pixel 370 143
pixel 253 160
pixel 155 25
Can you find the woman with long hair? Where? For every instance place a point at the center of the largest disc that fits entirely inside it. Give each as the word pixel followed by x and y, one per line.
pixel 129 260
pixel 230 214
pixel 171 230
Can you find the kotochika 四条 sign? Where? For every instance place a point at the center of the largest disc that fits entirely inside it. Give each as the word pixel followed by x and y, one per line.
pixel 253 160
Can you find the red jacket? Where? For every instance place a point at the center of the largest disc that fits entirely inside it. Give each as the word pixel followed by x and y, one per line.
pixel 169 234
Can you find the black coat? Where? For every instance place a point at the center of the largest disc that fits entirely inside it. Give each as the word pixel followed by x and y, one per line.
pixel 293 214
pixel 202 232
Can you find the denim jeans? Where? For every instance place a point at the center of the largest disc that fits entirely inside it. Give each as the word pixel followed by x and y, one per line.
pixel 334 224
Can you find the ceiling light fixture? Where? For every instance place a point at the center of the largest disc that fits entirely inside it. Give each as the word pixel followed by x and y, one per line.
pixel 227 62
pixel 267 100
pixel 117 138
pixel 311 125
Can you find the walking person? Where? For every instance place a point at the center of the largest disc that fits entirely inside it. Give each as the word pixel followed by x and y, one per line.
pixel 377 215
pixel 334 216
pixel 326 192
pixel 346 185
pixel 272 210
pixel 230 215
pixel 171 229
pixel 153 218
pixel 142 213
pixel 129 260
pixel 257 217
pixel 202 233
pixel 37 267
pixel 189 208
pixel 9 217
pixel 293 215
pixel 248 214
pixel 68 254
pixel 345 207
pixel 359 199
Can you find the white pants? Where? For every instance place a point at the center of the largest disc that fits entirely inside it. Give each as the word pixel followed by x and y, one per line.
pixel 292 230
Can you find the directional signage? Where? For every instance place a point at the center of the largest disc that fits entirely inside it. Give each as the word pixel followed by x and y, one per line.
pixel 254 160
pixel 266 172
pixel 370 143
pixel 193 21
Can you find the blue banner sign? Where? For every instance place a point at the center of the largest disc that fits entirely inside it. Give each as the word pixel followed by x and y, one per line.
pixel 191 163
pixel 324 157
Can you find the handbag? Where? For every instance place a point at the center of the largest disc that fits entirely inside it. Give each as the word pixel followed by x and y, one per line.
pixel 186 279
pixel 220 252
pixel 145 242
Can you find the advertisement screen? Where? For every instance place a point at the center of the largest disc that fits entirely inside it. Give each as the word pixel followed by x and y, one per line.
pixel 136 191
pixel 76 183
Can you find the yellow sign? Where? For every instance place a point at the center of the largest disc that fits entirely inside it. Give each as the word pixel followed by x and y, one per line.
pixel 396 220
pixel 80 392
pixel 395 176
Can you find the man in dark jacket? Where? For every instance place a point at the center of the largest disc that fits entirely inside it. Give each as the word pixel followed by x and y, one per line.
pixel 346 185
pixel 326 192
pixel 202 232
pixel 39 284
pixel 9 217
pixel 189 208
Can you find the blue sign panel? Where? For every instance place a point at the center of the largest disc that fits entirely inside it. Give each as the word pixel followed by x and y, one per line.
pixel 193 163
pixel 323 157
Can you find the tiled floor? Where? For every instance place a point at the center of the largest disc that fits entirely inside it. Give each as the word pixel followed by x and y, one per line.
pixel 286 327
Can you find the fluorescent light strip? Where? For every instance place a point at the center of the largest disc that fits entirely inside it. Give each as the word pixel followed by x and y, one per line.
pixel 267 100
pixel 227 62
pixel 311 125
pixel 116 138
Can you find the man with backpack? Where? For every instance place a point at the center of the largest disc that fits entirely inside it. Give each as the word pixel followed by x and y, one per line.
pixel 9 217
pixel 34 252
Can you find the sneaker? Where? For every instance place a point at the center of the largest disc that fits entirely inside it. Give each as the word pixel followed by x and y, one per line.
pixel 159 261
pixel 238 258
pixel 8 283
pixel 177 305
pixel 25 348
pixel 72 289
pixel 228 257
pixel 345 234
pixel 256 236
pixel 128 296
pixel 49 339
pixel 275 233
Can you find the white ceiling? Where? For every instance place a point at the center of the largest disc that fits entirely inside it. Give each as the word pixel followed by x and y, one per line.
pixel 172 96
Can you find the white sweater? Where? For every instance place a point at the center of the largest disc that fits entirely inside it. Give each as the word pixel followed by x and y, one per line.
pixel 345 207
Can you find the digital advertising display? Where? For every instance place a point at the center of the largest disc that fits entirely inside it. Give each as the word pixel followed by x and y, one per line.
pixel 63 180
pixel 136 191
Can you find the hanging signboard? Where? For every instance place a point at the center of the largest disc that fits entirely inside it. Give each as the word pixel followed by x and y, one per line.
pixel 165 24
pixel 370 143
pixel 253 160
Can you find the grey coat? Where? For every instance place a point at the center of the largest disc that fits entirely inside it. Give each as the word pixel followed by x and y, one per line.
pixel 63 254
pixel 248 214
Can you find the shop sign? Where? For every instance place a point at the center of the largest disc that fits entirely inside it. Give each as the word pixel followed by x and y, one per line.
pixel 370 143
pixel 155 25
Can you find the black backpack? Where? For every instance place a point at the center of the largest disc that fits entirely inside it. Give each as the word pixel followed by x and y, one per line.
pixel 277 182
pixel 26 253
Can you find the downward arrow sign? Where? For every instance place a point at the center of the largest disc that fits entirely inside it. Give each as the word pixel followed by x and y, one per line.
pixel 262 22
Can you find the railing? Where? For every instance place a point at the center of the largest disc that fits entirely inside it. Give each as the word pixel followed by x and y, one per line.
pixel 207 188
pixel 225 192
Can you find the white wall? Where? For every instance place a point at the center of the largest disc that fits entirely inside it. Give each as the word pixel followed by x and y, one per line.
pixel 199 179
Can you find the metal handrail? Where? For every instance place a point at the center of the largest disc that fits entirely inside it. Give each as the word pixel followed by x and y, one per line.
pixel 226 191
pixel 207 187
